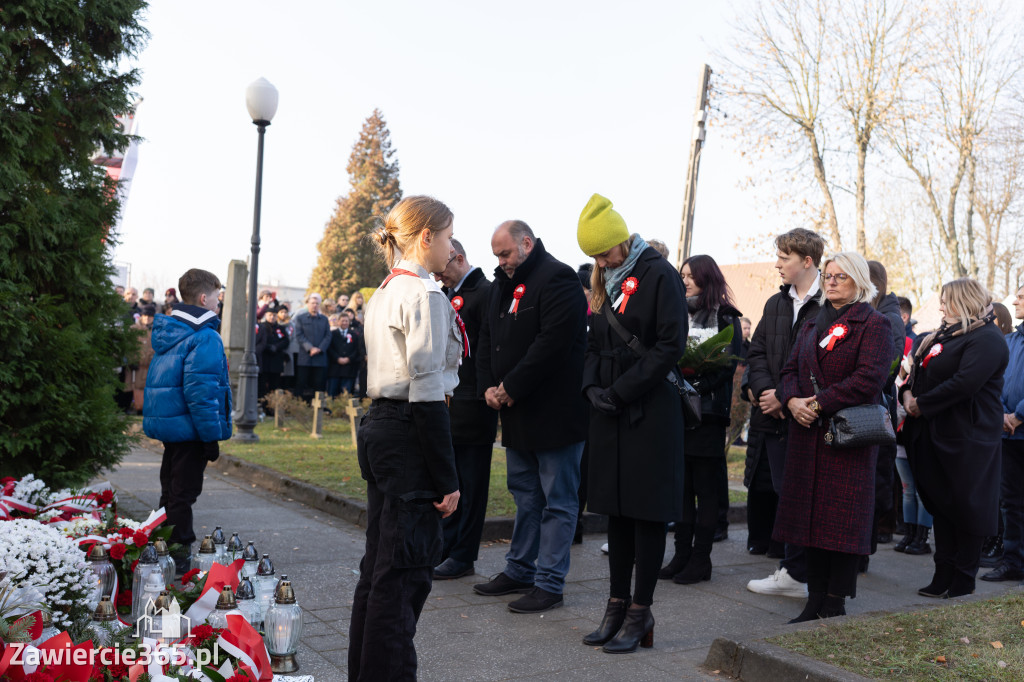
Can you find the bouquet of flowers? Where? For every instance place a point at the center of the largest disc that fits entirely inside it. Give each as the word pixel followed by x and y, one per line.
pixel 706 352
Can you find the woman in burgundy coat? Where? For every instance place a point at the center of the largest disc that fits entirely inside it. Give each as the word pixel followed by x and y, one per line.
pixel 840 359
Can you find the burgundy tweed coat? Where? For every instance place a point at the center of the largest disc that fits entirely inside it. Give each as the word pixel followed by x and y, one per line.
pixel 828 494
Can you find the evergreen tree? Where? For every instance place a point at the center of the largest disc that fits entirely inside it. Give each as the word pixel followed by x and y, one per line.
pixel 347 259
pixel 61 324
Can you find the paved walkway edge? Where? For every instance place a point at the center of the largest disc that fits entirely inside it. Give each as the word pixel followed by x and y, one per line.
pixel 758 661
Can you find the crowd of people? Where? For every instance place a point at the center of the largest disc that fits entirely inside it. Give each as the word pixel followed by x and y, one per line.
pixel 582 367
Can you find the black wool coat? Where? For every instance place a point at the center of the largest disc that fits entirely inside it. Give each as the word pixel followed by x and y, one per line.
pixel 473 423
pixel 344 344
pixel 537 352
pixel 271 344
pixel 954 447
pixel 636 457
pixel 716 388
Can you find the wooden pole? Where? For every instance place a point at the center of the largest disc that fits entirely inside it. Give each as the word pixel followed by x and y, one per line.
pixel 700 117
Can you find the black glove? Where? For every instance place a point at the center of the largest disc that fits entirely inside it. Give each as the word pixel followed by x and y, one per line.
pixel 604 400
pixel 212 450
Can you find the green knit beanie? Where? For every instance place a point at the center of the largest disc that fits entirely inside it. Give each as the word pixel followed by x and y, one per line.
pixel 600 227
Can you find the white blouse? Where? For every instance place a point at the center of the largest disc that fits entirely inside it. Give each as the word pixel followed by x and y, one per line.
pixel 413 342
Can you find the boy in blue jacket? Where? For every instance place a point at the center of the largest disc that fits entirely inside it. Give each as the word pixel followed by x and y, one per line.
pixel 187 403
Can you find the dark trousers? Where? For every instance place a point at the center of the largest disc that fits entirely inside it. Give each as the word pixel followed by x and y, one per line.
pixel 309 380
pixel 700 516
pixel 403 544
pixel 830 572
pixel 462 530
pixel 338 385
pixel 955 547
pixel 722 522
pixel 181 483
pixel 795 560
pixel 634 542
pixel 268 382
pixel 1012 492
pixel 762 500
pixel 883 518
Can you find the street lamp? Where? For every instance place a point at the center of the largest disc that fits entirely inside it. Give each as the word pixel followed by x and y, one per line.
pixel 261 101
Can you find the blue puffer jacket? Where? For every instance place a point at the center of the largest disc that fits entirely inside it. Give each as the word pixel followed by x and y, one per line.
pixel 188 396
pixel 1013 381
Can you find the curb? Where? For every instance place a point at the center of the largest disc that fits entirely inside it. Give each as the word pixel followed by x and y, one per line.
pixel 757 661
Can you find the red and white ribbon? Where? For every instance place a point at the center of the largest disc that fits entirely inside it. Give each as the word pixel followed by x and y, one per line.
pixel 216 579
pixel 244 643
pixel 628 288
pixel 458 302
pixel 932 352
pixel 836 332
pixel 517 294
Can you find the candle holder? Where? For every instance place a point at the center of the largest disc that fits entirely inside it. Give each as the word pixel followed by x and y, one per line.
pixel 234 548
pixel 252 559
pixel 226 606
pixel 164 559
pixel 143 583
pixel 106 575
pixel 283 625
pixel 207 556
pixel 221 543
pixel 245 596
pixel 105 622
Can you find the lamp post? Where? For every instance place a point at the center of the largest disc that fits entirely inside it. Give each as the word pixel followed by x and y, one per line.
pixel 261 101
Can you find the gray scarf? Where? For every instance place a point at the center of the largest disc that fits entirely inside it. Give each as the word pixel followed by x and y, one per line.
pixel 614 277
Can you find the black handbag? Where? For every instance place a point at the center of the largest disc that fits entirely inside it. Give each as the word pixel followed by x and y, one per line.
pixel 858 426
pixel 690 397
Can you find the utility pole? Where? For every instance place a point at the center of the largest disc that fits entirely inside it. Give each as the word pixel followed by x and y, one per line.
pixel 700 117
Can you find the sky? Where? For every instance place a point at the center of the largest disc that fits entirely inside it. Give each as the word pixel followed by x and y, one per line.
pixel 501 110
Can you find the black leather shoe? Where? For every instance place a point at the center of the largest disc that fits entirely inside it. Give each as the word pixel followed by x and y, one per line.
pixel 677 564
pixel 938 588
pixel 450 569
pixel 501 584
pixel 720 534
pixel 1003 573
pixel 537 601
pixel 815 600
pixel 698 568
pixel 757 550
pixel 992 552
pixel 614 614
pixel 637 629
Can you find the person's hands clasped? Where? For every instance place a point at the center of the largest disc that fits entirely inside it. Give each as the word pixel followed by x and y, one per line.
pixel 502 395
pixel 801 410
pixel 603 400
pixel 770 405
pixel 910 405
pixel 448 504
pixel 1010 422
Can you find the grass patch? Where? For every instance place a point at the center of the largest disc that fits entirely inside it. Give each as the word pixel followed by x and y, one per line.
pixel 331 461
pixel 981 640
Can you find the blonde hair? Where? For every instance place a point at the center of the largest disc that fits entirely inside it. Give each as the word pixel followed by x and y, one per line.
pixel 854 265
pixel 597 292
pixel 966 299
pixel 402 225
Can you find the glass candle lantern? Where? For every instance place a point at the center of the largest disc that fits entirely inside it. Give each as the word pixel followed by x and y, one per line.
pixel 234 548
pixel 104 622
pixel 252 559
pixel 106 574
pixel 165 561
pixel 48 629
pixel 226 606
pixel 221 544
pixel 245 597
pixel 283 629
pixel 265 583
pixel 148 565
pixel 207 556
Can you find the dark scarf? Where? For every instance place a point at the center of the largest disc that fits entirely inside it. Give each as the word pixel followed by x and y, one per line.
pixel 945 333
pixel 702 317
pixel 827 316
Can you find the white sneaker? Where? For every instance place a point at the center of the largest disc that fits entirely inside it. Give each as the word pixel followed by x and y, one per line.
pixel 780 583
pixel 604 548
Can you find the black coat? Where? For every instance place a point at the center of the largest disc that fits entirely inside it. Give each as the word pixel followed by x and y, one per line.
pixel 636 457
pixel 473 423
pixel 271 344
pixel 954 447
pixel 716 388
pixel 770 347
pixel 537 352
pixel 344 344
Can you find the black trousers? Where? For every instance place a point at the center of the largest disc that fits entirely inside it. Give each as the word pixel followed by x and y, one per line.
pixel 403 544
pixel 956 547
pixel 309 380
pixel 268 382
pixel 831 572
pixel 635 542
pixel 181 483
pixel 696 529
pixel 762 500
pixel 795 560
pixel 463 529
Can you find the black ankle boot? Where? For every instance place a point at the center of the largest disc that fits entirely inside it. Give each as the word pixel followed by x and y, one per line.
pixel 637 629
pixel 833 606
pixel 940 583
pixel 614 614
pixel 920 544
pixel 698 568
pixel 911 529
pixel 961 585
pixel 810 612
pixel 677 564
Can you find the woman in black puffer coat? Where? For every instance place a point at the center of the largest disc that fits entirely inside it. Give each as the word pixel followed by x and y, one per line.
pixel 710 308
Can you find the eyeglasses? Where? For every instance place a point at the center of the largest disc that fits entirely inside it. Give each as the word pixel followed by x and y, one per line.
pixel 454 256
pixel 839 277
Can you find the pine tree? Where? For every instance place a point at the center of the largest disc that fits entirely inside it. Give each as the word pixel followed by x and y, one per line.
pixel 61 86
pixel 347 259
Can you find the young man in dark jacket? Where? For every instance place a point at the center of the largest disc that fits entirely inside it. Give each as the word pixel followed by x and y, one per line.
pixel 187 402
pixel 799 255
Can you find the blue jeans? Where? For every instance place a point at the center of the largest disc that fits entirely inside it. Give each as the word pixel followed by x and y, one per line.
pixel 913 507
pixel 544 485
pixel 338 385
pixel 1012 492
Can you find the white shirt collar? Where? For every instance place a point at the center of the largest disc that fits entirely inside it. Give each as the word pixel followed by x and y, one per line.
pixel 459 285
pixel 811 292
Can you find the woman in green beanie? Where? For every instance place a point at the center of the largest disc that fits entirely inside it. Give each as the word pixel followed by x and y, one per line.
pixel 637 334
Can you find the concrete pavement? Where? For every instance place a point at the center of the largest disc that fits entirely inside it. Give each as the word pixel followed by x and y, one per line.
pixel 464 636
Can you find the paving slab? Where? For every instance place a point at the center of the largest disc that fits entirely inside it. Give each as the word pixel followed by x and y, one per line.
pixel 465 636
